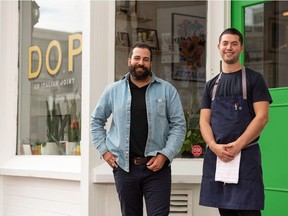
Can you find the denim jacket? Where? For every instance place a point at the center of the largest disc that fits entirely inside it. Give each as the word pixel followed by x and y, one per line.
pixel 166 122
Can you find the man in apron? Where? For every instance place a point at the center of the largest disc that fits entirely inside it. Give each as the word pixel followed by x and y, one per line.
pixel 234 111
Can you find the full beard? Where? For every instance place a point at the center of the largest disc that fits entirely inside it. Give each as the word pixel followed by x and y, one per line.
pixel 139 76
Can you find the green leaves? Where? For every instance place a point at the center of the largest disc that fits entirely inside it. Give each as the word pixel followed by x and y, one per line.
pixel 55 124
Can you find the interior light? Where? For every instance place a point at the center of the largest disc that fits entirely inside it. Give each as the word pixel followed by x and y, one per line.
pixel 285 13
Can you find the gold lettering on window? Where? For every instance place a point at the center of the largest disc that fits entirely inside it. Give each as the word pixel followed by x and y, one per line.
pixel 73 52
pixel 52 44
pixel 36 50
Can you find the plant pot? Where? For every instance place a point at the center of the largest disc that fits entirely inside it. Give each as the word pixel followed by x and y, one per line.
pixel 50 148
pixel 70 146
pixel 26 149
pixel 36 149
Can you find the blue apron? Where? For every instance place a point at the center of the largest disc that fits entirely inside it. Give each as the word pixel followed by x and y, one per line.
pixel 230 117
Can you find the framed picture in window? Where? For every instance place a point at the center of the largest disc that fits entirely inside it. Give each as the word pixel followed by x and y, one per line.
pixel 189 37
pixel 123 39
pixel 148 36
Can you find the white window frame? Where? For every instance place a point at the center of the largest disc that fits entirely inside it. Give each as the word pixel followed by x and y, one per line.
pixel 60 167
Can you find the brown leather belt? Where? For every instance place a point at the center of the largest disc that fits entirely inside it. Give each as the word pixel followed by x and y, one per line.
pixel 140 160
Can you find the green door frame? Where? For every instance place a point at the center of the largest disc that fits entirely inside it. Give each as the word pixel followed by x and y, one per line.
pixel 238 14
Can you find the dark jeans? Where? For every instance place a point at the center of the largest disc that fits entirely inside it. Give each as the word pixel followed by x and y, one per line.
pixel 140 181
pixel 231 212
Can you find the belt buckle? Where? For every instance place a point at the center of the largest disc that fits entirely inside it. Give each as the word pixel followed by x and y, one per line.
pixel 137 161
pixel 140 160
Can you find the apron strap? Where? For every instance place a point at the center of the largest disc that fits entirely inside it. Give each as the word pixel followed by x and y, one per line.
pixel 215 86
pixel 244 84
pixel 251 144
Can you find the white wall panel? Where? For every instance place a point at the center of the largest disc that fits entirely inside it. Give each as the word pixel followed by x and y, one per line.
pixel 27 196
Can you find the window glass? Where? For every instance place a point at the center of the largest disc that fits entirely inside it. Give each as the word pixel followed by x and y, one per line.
pixel 49 116
pixel 266 39
pixel 176 31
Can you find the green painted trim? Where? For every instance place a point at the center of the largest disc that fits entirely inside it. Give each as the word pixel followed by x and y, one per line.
pixel 278 89
pixel 279 105
pixel 277 190
pixel 237 11
pixel 238 16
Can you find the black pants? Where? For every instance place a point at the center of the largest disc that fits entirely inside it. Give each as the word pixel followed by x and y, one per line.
pixel 141 182
pixel 232 212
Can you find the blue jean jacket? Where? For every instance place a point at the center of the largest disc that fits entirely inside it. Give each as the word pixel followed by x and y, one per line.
pixel 166 122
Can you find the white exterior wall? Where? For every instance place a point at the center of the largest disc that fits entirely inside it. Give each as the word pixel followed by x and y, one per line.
pixel 73 185
pixel 8 90
pixel 45 197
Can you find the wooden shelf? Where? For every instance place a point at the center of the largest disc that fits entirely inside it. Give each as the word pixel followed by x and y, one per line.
pixel 139 19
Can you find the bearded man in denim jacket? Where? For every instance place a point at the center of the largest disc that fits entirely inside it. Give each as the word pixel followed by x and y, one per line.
pixel 147 131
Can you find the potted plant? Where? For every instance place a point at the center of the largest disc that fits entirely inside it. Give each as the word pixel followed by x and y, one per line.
pixel 74 129
pixel 55 125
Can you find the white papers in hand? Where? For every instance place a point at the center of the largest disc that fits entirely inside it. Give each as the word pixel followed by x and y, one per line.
pixel 228 172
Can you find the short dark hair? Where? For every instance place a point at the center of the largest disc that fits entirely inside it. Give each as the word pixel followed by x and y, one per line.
pixel 232 31
pixel 142 46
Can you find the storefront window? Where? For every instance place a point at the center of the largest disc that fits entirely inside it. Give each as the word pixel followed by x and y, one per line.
pixel 176 31
pixel 49 102
pixel 266 41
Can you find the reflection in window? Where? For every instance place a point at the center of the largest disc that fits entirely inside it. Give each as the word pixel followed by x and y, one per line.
pixel 176 31
pixel 266 39
pixel 49 116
